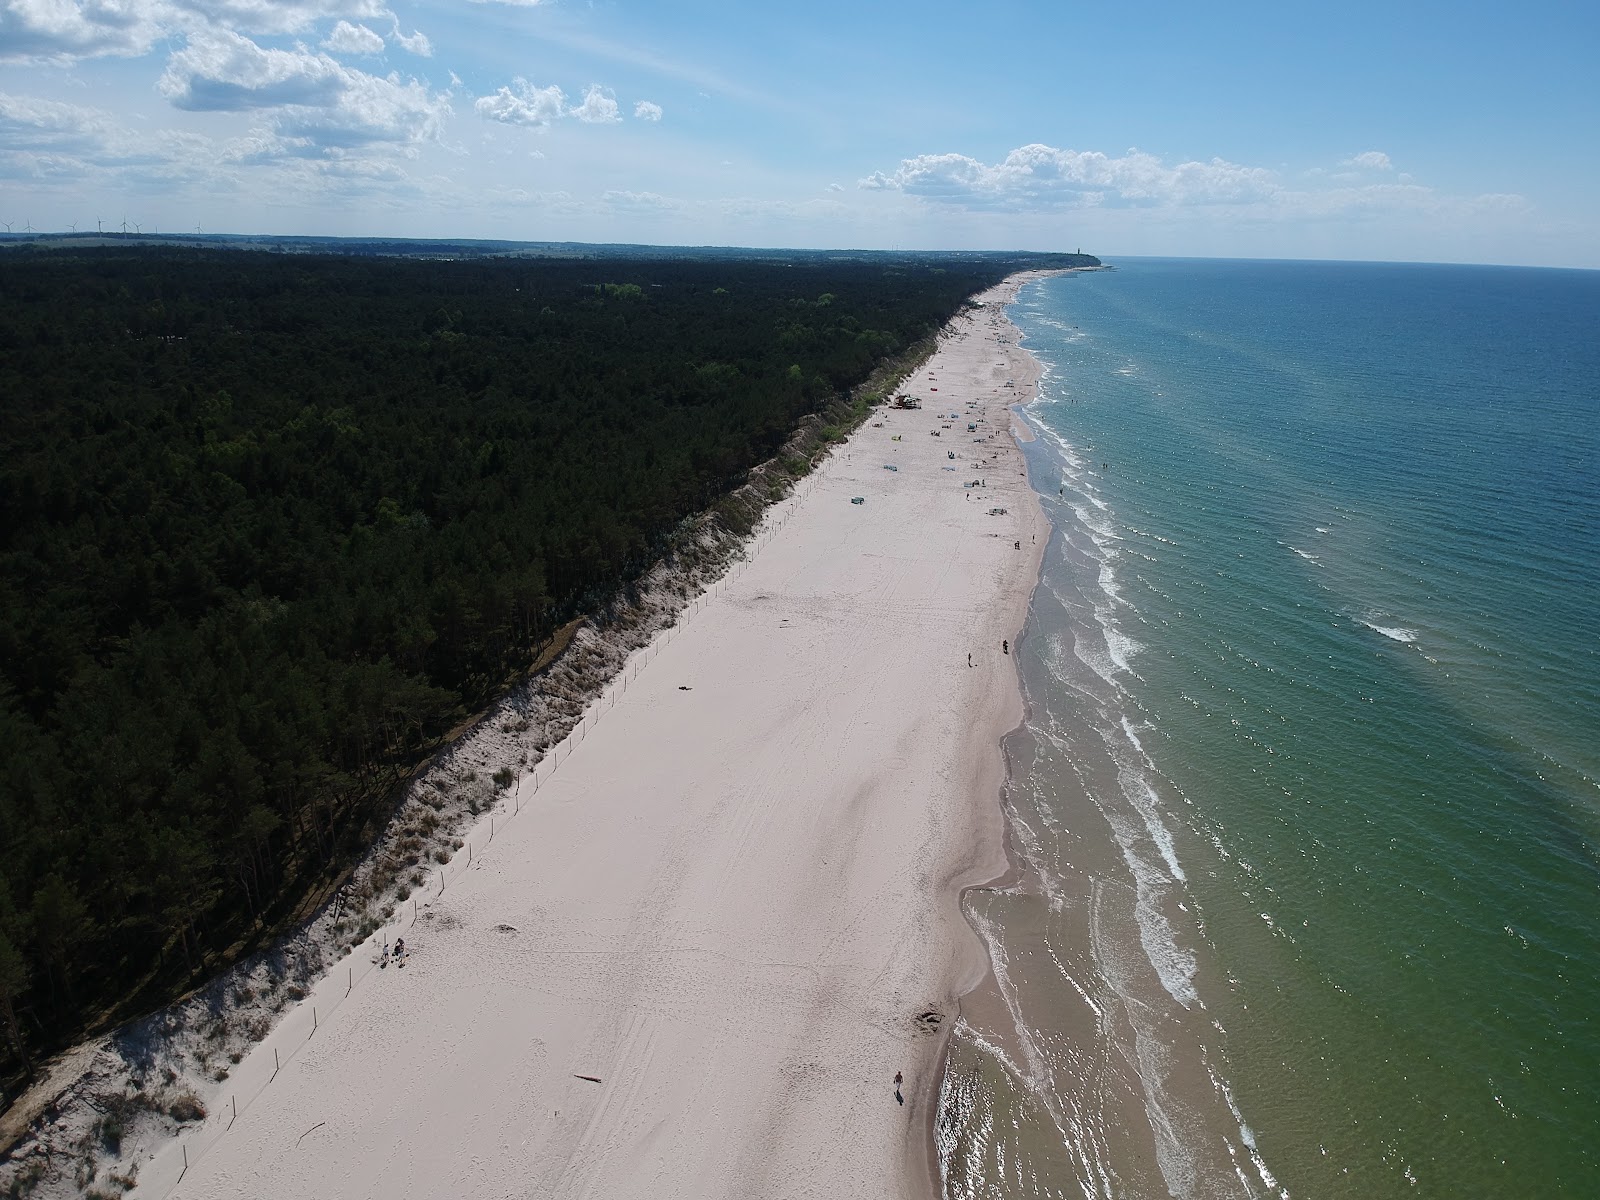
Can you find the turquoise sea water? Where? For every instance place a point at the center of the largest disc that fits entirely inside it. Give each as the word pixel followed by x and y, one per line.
pixel 1316 655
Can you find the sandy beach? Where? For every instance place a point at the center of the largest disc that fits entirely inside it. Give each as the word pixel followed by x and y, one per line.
pixel 700 946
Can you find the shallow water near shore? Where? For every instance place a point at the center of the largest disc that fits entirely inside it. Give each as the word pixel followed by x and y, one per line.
pixel 1308 799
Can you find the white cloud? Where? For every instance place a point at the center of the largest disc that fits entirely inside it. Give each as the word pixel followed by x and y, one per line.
pixel 259 16
pixel 599 107
pixel 742 208
pixel 64 31
pixel 223 72
pixel 524 104
pixel 836 187
pixel 1039 179
pixel 1037 176
pixel 640 200
pixel 45 141
pixel 416 43
pixel 353 39
pixel 1371 160
pixel 317 104
pixel 647 110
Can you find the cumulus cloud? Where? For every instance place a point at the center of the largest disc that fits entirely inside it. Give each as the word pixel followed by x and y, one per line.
pixel 317 103
pixel 1038 175
pixel 647 110
pixel 353 39
pixel 261 16
pixel 1038 178
pixel 599 107
pixel 224 72
pixel 1371 160
pixel 45 141
pixel 416 43
pixel 524 104
pixel 64 31
pixel 61 31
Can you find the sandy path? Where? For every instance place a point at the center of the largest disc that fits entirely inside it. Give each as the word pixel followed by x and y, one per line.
pixel 731 903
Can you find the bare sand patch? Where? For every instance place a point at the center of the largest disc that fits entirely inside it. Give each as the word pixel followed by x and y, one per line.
pixel 693 960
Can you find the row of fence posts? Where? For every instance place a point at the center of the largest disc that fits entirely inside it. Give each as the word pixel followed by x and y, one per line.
pixel 606 701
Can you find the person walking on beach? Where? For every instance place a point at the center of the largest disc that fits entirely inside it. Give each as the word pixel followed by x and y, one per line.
pixel 1005 646
pixel 897 1080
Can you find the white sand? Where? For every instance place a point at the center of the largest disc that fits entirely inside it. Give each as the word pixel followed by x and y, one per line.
pixel 729 904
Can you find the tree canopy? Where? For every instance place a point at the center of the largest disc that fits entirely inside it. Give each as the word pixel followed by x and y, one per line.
pixel 272 523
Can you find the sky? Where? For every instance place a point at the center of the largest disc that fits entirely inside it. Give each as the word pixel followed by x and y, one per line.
pixel 1404 130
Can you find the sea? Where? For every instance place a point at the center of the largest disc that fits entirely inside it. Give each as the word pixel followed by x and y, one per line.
pixel 1306 806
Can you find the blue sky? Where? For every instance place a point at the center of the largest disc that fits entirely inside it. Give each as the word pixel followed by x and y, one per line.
pixel 1413 131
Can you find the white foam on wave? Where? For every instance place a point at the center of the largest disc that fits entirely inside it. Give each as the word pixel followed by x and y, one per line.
pixel 1314 559
pixel 1395 633
pixel 1121 648
pixel 1248 1137
pixel 1147 802
pixel 1154 877
pixel 1154 537
pixel 1175 966
pixel 1108 579
pixel 1100 529
pixel 1101 663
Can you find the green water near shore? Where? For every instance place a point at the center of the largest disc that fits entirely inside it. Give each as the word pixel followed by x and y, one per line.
pixel 1314 672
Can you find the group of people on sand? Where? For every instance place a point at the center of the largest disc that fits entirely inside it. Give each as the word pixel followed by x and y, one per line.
pixel 398 953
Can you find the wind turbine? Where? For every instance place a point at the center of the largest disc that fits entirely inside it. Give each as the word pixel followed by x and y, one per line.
pixel 136 230
pixel 7 224
pixel 72 227
pixel 124 226
pixel 27 227
pixel 97 228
